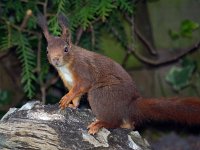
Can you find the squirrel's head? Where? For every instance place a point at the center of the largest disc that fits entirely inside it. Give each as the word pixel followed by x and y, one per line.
pixel 58 49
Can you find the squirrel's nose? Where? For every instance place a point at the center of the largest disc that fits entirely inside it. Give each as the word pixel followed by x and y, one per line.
pixel 55 60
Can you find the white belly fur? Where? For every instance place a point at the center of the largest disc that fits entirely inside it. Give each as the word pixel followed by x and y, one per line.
pixel 67 75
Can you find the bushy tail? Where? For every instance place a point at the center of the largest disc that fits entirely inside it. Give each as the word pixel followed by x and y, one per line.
pixel 182 110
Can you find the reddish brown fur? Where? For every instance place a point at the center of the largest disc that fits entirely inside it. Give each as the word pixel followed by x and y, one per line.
pixel 183 110
pixel 112 94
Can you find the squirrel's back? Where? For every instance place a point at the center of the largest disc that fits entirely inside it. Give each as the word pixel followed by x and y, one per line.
pixel 102 66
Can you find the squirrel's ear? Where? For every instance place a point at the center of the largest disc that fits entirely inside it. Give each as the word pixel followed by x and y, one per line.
pixel 63 22
pixel 41 20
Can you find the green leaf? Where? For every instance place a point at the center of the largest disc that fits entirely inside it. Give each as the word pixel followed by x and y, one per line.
pixel 53 26
pixel 28 62
pixel 6 39
pixel 174 35
pixel 179 77
pixel 85 15
pixel 126 5
pixel 187 27
pixel 104 8
pixel 61 6
pixel 188 62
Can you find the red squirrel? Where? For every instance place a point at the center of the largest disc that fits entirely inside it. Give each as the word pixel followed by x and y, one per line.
pixel 112 93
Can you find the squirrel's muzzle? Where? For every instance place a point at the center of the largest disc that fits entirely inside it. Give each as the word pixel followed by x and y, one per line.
pixel 56 61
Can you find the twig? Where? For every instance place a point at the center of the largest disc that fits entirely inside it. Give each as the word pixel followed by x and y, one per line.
pixel 41 82
pixel 38 70
pixel 92 36
pixel 43 94
pixel 125 59
pixel 23 25
pixel 26 18
pixel 45 7
pixel 39 53
pixel 140 36
pixel 164 56
pixel 145 42
pixel 20 29
pixel 44 87
pixel 117 35
pixel 78 35
pixel 51 81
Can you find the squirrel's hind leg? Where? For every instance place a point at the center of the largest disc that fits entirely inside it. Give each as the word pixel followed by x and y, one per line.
pixel 95 126
pixel 75 103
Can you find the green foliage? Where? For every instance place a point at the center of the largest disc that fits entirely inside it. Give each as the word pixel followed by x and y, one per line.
pixel 52 22
pixel 88 15
pixel 126 6
pixel 174 35
pixel 187 27
pixel 27 59
pixel 185 30
pixel 180 77
pixel 104 8
pixel 5 42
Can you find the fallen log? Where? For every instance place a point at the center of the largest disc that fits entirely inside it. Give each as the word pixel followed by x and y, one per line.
pixel 35 126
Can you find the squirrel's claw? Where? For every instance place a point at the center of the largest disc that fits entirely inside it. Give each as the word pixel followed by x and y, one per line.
pixel 94 127
pixel 93 130
pixel 64 102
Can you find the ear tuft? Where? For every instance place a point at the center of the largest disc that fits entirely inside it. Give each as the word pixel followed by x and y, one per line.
pixel 41 20
pixel 63 22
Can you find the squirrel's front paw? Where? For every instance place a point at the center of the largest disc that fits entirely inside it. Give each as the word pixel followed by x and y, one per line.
pixel 64 102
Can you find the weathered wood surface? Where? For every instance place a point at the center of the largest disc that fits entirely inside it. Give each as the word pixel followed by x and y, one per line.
pixel 36 126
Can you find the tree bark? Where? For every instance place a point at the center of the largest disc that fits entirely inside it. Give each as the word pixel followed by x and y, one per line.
pixel 35 126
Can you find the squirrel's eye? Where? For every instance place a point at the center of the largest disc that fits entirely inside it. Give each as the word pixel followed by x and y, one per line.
pixel 47 52
pixel 65 49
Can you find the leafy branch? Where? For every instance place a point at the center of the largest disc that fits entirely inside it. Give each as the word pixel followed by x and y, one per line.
pixel 27 59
